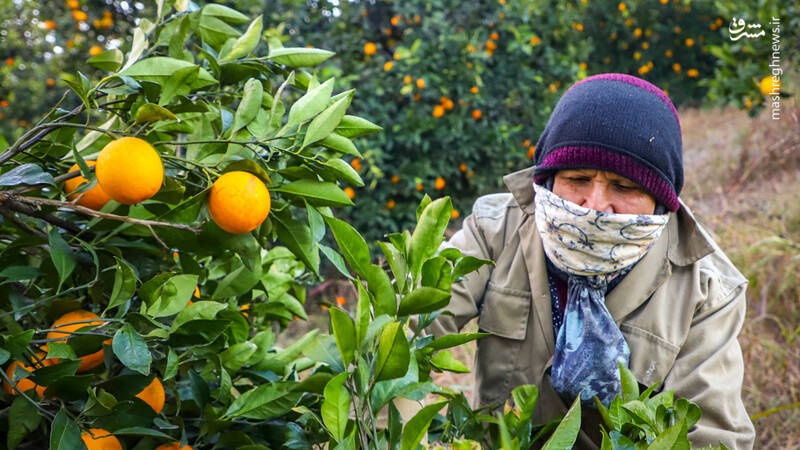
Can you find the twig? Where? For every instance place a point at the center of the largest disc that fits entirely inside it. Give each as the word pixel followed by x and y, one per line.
pixel 27 209
pixel 37 201
pixel 8 215
pixel 36 134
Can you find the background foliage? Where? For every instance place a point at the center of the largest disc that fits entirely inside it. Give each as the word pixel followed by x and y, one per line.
pixel 431 67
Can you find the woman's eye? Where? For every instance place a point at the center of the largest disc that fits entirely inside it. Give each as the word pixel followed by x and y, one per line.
pixel 626 187
pixel 579 179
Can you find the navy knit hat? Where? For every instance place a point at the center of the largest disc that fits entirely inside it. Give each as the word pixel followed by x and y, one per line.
pixel 619 123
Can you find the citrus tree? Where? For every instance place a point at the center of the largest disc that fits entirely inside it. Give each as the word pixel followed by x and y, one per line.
pixel 159 229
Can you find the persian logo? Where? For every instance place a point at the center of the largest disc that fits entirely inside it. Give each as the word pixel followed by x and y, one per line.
pixel 739 28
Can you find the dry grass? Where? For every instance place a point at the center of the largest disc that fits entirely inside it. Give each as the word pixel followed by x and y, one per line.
pixel 743 181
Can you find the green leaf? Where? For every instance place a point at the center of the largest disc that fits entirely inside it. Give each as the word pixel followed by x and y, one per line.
pixel 150 112
pixel 344 171
pixel 264 402
pixel 317 193
pixel 214 30
pixel 469 264
pixel 566 433
pixel 354 126
pixel 109 60
pixel 429 233
pixel 673 438
pixel 225 13
pixel 453 340
pixel 141 431
pixel 604 414
pixel 158 69
pixel 641 412
pixel 62 256
pixel 335 409
pixel 351 245
pixel 177 82
pixel 124 284
pixel 348 443
pixel 382 290
pixel 138 46
pixel 444 360
pixel 344 332
pixel 131 349
pixel 417 427
pixel 237 355
pixel 423 300
pixel 324 124
pixel 201 310
pixel 249 105
pixel 525 398
pixel 393 353
pixel 173 295
pixel 23 418
pixel 361 322
pixel 237 281
pixel 630 387
pixel 246 43
pixel 296 236
pixel 397 264
pixel 310 104
pixel 336 259
pixel 340 144
pixel 26 175
pixel 65 434
pixel 296 57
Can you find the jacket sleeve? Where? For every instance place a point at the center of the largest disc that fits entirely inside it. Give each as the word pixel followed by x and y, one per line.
pixel 709 369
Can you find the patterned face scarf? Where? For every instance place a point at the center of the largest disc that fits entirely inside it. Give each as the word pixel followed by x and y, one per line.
pixel 592 248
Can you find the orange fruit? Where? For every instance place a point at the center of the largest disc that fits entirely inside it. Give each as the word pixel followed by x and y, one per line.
pixel 238 202
pixel 439 183
pixel 477 114
pixel 71 322
pixel 95 50
pixel 420 83
pixel 370 48
pixel 350 192
pixel 153 394
pixel 173 446
pixel 100 439
pixel 79 15
pixel 94 198
pixel 769 85
pixel 24 384
pixel 438 111
pixel 130 170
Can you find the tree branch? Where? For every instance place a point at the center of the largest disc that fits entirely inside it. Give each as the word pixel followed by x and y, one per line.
pixel 28 205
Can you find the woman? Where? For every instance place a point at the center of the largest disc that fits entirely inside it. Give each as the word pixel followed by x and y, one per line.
pixel 597 261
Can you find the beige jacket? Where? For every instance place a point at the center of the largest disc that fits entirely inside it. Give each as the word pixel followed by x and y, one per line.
pixel 680 309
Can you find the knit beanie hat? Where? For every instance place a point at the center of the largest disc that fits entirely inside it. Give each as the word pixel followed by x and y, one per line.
pixel 619 123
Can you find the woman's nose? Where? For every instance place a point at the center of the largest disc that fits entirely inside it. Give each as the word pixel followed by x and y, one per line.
pixel 597 198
